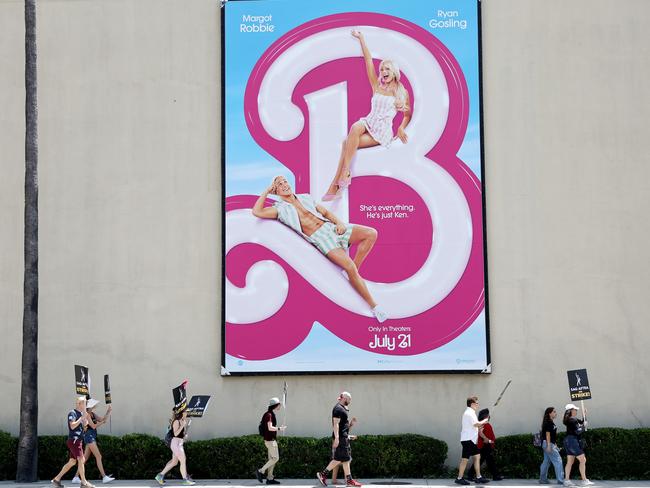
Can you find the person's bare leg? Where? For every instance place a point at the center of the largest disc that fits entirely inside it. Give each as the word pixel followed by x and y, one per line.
pixel 346 469
pixel 461 467
pixel 98 457
pixel 182 460
pixel 168 467
pixel 341 259
pixel 567 468
pixel 366 238
pixel 358 138
pixel 333 464
pixel 335 474
pixel 582 467
pixel 66 467
pixel 81 469
pixel 86 457
pixel 477 466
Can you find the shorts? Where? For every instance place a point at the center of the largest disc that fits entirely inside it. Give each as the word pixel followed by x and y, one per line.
pixel 90 438
pixel 176 446
pixel 326 239
pixel 469 449
pixel 343 451
pixel 572 446
pixel 75 448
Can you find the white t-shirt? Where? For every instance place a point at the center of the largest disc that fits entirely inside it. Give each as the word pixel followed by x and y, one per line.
pixel 469 432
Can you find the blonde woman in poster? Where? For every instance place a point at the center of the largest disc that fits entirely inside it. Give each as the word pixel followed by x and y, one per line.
pixel 388 97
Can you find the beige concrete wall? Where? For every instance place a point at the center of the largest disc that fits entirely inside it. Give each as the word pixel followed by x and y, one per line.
pixel 130 220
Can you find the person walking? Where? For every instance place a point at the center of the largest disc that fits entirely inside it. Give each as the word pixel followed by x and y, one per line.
pixel 77 421
pixel 179 426
pixel 573 444
pixel 468 439
pixel 90 440
pixel 487 446
pixel 550 449
pixel 341 449
pixel 270 431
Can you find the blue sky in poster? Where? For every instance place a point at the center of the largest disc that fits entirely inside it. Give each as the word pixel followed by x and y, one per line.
pixel 250 168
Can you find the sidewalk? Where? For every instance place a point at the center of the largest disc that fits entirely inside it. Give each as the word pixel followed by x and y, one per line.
pixel 377 483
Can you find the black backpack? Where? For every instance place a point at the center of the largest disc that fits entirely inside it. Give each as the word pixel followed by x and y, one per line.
pixel 262 427
pixel 169 436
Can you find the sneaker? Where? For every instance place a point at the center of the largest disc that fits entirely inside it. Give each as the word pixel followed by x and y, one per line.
pixel 76 480
pixel 272 482
pixel 379 314
pixel 335 481
pixel 544 482
pixel 568 483
pixel 352 482
pixel 87 484
pixel 482 480
pixel 188 482
pixel 160 479
pixel 57 484
pixel 586 483
pixel 107 479
pixel 322 478
pixel 461 481
pixel 260 476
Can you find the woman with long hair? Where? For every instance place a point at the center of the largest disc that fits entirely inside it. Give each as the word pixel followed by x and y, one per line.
pixel 388 97
pixel 179 426
pixel 573 446
pixel 270 429
pixel 549 448
pixel 90 440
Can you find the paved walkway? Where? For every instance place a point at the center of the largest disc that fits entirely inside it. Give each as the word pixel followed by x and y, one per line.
pixel 401 483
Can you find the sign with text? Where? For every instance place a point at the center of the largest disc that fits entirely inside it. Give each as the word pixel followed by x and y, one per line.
pixel 180 397
pixel 81 380
pixel 353 207
pixel 107 390
pixel 197 405
pixel 579 384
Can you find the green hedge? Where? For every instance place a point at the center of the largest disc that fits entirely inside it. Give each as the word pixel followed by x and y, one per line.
pixel 139 456
pixel 612 453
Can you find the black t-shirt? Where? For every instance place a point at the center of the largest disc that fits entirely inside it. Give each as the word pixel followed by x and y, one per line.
pixel 574 426
pixel 549 426
pixel 269 435
pixel 77 432
pixel 340 412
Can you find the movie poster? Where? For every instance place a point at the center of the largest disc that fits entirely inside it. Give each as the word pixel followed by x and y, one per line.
pixel 354 206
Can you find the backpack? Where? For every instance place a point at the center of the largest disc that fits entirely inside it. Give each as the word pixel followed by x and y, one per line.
pixel 262 427
pixel 537 439
pixel 169 436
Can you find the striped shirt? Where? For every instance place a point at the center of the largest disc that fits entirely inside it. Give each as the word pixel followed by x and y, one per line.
pixel 288 214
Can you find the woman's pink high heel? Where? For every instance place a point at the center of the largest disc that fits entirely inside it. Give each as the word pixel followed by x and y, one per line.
pixel 345 182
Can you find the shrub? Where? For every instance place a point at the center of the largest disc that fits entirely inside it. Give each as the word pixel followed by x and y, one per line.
pixel 139 456
pixel 612 453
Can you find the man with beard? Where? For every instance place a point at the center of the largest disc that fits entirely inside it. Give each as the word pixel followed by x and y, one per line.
pixel 341 450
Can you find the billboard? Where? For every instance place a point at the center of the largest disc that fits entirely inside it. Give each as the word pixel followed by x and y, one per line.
pixel 354 204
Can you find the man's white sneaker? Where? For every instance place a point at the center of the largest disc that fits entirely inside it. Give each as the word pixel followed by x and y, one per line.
pixel 568 483
pixel 587 483
pixel 379 314
pixel 107 479
pixel 76 480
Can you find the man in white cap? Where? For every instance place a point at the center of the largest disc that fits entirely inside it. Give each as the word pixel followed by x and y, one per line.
pixel 341 449
pixel 77 421
pixel 269 430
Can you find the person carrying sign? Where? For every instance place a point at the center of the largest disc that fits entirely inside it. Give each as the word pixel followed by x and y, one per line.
pixel 77 421
pixel 90 440
pixel 179 434
pixel 573 444
pixel 469 439
pixel 270 429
